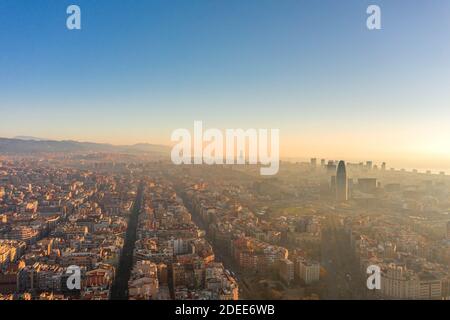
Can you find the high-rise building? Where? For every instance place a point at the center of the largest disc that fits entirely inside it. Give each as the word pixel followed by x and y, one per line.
pixel 331 167
pixel 313 162
pixel 368 185
pixel 333 184
pixel 322 162
pixel 286 270
pixel 398 282
pixel 341 182
pixel 308 271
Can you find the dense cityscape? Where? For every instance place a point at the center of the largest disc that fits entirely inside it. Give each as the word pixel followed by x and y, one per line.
pixel 146 229
pixel 205 159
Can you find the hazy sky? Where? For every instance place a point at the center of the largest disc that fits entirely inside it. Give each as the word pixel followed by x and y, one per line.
pixel 140 69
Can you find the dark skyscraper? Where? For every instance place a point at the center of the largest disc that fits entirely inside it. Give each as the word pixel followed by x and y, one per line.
pixel 341 182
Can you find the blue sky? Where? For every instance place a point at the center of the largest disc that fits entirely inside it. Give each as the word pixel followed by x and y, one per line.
pixel 139 69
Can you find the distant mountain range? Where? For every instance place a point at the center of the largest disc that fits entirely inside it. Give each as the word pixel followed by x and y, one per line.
pixel 29 138
pixel 24 144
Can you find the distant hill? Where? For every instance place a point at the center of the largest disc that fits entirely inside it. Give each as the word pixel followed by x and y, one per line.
pixel 32 145
pixel 146 147
pixel 29 138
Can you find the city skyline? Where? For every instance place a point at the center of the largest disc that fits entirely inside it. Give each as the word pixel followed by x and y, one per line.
pixel 397 164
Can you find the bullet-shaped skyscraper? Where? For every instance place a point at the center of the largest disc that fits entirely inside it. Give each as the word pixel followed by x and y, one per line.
pixel 341 182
